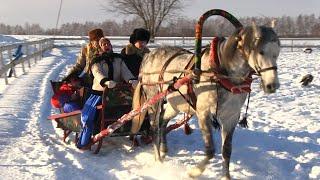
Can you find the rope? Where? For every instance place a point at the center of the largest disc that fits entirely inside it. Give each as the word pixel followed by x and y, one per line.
pixel 244 121
pixel 208 74
pixel 247 104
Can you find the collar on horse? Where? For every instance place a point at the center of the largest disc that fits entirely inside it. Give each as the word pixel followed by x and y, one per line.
pixel 217 70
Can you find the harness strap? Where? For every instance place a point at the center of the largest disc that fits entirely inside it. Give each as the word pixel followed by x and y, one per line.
pixel 216 67
pixel 166 64
pixel 191 97
pixel 267 69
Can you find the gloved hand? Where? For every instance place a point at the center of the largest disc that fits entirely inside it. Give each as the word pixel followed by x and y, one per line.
pixel 134 83
pixel 110 84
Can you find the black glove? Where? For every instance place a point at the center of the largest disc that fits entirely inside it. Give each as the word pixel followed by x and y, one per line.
pixel 70 76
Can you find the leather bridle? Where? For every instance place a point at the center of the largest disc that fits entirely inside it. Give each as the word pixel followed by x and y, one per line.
pixel 257 68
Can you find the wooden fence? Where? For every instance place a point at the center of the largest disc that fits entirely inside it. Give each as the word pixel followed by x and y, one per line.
pixel 185 42
pixel 32 52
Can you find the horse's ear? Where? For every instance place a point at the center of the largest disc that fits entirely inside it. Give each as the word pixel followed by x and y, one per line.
pixel 240 38
pixel 256 33
pixel 273 23
pixel 233 42
pixel 240 41
pixel 256 30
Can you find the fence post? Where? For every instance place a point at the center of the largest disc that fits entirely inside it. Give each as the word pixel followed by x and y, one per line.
pixel 34 51
pixel 41 48
pixel 27 55
pixel 13 68
pixel 291 45
pixel 23 69
pixel 2 65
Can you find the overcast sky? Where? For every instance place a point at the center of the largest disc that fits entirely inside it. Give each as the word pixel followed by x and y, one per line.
pixel 44 12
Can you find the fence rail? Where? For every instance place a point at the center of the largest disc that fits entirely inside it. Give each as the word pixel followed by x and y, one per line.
pixel 32 50
pixel 185 42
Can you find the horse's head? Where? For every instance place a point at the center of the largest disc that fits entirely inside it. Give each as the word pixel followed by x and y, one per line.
pixel 260 47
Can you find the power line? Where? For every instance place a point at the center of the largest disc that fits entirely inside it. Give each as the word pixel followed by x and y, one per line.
pixel 57 22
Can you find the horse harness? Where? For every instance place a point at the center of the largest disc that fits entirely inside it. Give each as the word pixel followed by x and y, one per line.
pixel 190 98
pixel 218 74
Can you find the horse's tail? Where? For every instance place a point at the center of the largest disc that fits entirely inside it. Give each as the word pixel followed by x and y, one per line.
pixel 138 100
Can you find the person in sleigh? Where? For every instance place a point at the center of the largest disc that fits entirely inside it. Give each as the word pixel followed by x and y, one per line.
pixel 133 53
pixel 66 97
pixel 87 54
pixel 108 69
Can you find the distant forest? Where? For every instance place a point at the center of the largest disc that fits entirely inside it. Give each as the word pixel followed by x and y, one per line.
pixel 286 26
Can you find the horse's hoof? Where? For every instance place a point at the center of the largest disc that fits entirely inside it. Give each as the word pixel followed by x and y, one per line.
pixel 226 178
pixel 134 143
pixel 146 139
pixel 163 154
pixel 195 172
pixel 163 148
pixel 158 159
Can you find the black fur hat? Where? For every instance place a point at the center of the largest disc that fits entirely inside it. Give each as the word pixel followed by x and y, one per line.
pixel 139 34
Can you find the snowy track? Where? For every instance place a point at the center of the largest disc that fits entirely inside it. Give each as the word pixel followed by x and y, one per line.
pixel 282 141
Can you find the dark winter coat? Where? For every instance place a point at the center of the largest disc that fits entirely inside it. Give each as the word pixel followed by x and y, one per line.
pixel 133 57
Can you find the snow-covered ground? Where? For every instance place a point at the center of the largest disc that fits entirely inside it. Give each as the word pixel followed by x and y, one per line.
pixel 282 141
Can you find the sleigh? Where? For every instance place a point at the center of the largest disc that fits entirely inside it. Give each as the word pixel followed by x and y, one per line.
pixel 116 103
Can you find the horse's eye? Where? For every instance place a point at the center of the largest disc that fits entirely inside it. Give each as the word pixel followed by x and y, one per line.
pixel 261 53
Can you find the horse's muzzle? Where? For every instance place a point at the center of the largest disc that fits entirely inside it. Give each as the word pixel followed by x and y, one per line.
pixel 270 88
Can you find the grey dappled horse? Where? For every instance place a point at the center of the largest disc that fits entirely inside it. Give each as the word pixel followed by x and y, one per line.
pixel 253 48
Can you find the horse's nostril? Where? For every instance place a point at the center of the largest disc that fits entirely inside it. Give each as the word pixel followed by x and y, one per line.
pixel 269 86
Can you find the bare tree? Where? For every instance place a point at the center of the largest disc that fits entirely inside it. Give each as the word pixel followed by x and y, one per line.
pixel 151 12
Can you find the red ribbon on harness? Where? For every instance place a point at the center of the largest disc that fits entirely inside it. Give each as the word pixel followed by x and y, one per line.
pixel 226 83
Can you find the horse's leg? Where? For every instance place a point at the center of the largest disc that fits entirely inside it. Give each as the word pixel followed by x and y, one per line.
pixel 205 127
pixel 226 149
pixel 154 114
pixel 165 117
pixel 206 104
pixel 229 117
